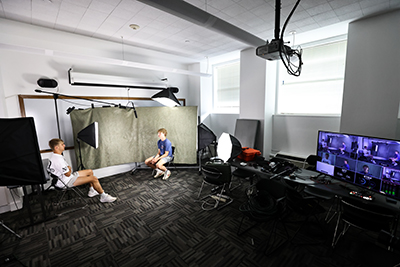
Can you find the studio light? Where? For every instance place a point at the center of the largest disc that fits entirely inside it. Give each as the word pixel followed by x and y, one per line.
pixel 228 147
pixel 166 97
pixel 90 135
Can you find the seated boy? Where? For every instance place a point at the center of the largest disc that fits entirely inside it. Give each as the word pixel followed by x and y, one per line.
pixel 163 156
pixel 59 167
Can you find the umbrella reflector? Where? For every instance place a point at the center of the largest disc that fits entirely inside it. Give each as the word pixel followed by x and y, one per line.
pixel 228 147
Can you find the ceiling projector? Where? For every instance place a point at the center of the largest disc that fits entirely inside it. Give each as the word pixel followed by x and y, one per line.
pixel 270 51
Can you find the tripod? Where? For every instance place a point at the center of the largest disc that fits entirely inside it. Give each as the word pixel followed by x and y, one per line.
pixel 80 167
pixel 11 231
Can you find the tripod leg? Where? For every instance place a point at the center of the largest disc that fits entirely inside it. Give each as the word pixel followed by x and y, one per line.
pixel 11 231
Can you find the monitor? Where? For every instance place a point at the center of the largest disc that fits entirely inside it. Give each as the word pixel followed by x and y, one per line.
pixel 369 162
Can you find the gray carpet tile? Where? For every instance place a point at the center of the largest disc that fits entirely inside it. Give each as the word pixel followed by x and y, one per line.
pixel 160 223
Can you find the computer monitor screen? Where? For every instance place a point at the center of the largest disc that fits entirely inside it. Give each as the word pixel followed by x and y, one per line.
pixel 369 162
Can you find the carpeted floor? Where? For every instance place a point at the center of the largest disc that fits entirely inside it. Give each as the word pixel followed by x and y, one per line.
pixel 158 223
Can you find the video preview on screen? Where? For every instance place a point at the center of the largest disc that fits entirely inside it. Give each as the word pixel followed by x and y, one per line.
pixel 369 162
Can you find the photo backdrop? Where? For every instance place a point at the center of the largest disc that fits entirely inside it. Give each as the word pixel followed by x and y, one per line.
pixel 125 139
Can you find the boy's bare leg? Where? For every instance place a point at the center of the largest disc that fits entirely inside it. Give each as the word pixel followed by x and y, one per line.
pixel 149 163
pixel 87 177
pixel 160 165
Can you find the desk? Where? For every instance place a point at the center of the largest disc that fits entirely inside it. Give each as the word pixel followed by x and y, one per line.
pixel 336 188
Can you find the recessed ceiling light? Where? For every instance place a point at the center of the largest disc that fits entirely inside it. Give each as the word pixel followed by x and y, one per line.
pixel 134 26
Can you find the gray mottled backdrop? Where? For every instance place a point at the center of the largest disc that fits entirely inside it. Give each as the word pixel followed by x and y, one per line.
pixel 125 139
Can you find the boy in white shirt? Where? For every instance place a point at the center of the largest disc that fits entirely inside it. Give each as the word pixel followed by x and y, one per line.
pixel 59 167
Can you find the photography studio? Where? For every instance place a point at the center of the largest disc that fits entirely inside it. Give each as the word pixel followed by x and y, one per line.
pixel 199 133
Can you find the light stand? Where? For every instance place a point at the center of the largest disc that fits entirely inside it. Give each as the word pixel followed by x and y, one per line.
pixel 80 167
pixel 89 135
pixel 51 83
pixel 55 96
pixel 11 231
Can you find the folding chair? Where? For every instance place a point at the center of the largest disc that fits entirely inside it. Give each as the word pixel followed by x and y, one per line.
pixel 63 191
pixel 216 177
pixel 365 217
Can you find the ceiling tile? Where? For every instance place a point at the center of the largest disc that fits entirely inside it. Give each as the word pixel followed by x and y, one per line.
pixel 110 19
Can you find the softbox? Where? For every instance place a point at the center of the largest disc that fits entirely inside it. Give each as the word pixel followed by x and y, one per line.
pixel 90 135
pixel 206 136
pixel 228 147
pixel 20 160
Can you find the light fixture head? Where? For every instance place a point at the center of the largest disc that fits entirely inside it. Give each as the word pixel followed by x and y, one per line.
pixel 166 97
pixel 90 135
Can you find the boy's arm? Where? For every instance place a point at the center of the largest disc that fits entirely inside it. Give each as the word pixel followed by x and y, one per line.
pixel 69 172
pixel 157 157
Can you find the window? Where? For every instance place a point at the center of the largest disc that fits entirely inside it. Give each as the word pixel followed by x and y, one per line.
pixel 319 88
pixel 226 87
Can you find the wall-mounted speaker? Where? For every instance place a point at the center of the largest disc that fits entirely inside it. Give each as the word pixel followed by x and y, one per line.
pixel 47 83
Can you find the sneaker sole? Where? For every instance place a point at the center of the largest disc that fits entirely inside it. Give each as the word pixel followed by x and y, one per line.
pixel 156 176
pixel 107 201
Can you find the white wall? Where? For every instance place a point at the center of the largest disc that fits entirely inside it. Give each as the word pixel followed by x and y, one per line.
pixel 297 135
pixel 371 92
pixel 252 90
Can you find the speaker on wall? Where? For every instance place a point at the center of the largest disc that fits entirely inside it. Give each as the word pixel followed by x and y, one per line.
pixel 47 83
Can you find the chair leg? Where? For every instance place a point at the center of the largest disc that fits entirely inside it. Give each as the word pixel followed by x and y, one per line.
pixel 239 184
pixel 301 226
pixel 345 228
pixel 335 204
pixel 201 189
pixel 335 232
pixel 78 193
pixel 269 250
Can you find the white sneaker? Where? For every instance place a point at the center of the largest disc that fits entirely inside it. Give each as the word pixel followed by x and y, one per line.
pixel 158 174
pixel 92 192
pixel 107 198
pixel 166 175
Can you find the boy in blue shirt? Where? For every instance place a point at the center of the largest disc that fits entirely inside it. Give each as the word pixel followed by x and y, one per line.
pixel 163 156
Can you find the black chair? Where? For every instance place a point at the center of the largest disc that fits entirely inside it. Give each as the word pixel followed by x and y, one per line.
pixel 364 216
pixel 321 196
pixel 220 181
pixel 173 158
pixel 311 161
pixel 62 191
pixel 266 205
pixel 305 207
pixel 243 175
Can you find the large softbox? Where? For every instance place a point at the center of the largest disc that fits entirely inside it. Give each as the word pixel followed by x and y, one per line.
pixel 90 135
pixel 228 148
pixel 20 160
pixel 206 136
